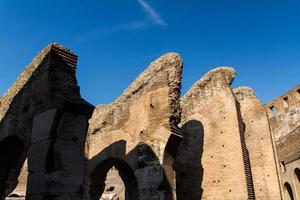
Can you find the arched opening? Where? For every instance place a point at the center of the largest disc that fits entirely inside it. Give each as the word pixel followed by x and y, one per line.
pixel 288 192
pixel 12 157
pixel 297 182
pixel 109 169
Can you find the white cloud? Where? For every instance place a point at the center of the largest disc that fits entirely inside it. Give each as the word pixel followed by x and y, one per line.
pixel 103 32
pixel 135 25
pixel 155 17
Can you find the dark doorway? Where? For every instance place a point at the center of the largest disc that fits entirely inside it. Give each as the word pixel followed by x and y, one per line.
pixel 12 157
pixel 99 175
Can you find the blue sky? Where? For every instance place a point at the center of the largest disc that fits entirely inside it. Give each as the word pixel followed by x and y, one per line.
pixel 117 39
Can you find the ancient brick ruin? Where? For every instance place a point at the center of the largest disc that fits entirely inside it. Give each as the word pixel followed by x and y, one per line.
pixel 284 119
pixel 151 143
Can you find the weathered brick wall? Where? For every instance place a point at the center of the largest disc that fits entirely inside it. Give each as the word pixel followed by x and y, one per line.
pixel 284 118
pixel 221 149
pixel 286 113
pixel 211 104
pixel 142 116
pixel 44 111
pixel 259 142
pixel 18 106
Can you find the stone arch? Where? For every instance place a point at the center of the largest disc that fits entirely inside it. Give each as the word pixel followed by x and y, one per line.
pixel 288 191
pixel 98 177
pixel 188 161
pixel 148 169
pixel 113 155
pixel 12 157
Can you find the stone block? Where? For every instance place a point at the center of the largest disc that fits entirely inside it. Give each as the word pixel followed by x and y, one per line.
pixel 71 155
pixel 72 128
pixel 42 125
pixel 36 183
pixel 37 155
pixel 64 182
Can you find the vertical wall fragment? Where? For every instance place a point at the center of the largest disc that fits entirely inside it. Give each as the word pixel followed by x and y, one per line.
pixel 260 145
pixel 145 117
pixel 284 118
pixel 209 116
pixel 50 118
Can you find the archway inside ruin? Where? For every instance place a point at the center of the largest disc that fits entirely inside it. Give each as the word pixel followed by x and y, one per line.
pixel 99 175
pixel 12 157
pixel 288 191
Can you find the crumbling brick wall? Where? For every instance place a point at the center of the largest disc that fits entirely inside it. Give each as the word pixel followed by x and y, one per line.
pixel 44 117
pixel 260 145
pixel 284 118
pixel 143 116
pixel 204 145
pixel 212 104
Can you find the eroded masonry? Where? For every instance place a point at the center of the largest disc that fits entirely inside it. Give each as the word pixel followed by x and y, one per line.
pixel 151 143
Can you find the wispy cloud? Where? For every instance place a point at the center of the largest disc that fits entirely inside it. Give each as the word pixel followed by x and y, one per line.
pixel 135 25
pixel 152 13
pixel 104 32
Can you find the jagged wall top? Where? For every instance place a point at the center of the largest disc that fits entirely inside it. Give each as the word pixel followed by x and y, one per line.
pixel 170 63
pixel 228 72
pixel 199 92
pixel 7 98
pixel 164 62
pixel 244 92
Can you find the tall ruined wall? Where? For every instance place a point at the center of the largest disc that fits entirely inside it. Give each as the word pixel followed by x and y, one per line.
pixel 16 116
pixel 259 142
pixel 284 113
pixel 213 143
pixel 143 117
pixel 44 119
pixel 210 121
pixel 284 117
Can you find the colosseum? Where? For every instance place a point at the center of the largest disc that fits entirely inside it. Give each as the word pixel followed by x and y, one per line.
pixel 152 143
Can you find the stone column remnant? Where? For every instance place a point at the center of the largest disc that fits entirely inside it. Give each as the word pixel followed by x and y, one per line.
pixel 51 121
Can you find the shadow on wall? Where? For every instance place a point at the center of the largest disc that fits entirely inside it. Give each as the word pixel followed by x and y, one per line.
pixel 188 164
pixel 288 191
pixel 12 157
pixel 245 152
pixel 48 82
pixel 139 164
